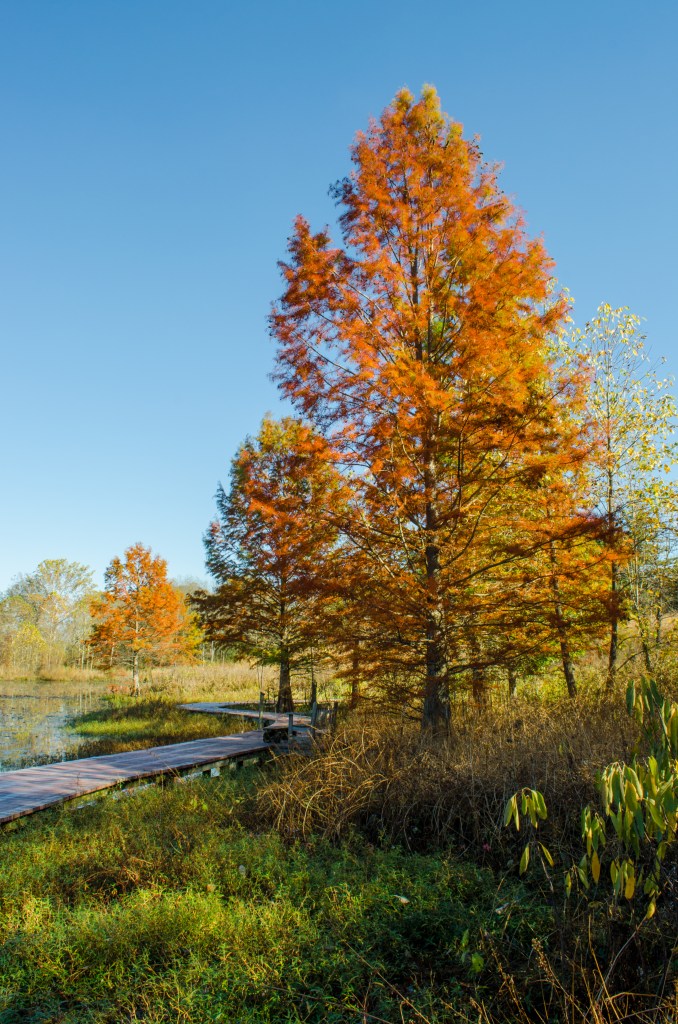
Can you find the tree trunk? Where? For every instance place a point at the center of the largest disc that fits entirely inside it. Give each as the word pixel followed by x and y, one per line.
pixel 658 629
pixel 135 674
pixel 561 629
pixel 478 670
pixel 512 680
pixel 314 684
pixel 285 701
pixel 355 675
pixel 614 629
pixel 568 666
pixel 647 652
pixel 436 711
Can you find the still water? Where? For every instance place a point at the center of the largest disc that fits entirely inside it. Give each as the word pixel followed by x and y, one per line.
pixel 34 720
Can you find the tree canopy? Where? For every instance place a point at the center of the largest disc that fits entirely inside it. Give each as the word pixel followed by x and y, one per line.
pixel 420 347
pixel 270 548
pixel 141 618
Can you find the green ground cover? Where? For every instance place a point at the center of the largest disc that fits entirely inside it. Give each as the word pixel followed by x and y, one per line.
pixel 372 882
pixel 167 905
pixel 126 723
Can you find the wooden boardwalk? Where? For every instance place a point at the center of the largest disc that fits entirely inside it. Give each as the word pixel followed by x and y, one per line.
pixel 28 790
pixel 209 707
pixel 31 789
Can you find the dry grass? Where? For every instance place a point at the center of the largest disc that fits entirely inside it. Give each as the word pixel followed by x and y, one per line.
pixel 376 773
pixel 585 994
pixel 239 682
pixel 58 674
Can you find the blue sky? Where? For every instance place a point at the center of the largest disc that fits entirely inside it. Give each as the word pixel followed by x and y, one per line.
pixel 154 155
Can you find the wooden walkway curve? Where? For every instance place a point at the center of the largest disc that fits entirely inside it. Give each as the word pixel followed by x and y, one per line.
pixel 27 790
pixel 210 707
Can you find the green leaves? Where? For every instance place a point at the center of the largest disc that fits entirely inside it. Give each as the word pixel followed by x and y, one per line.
pixel 639 800
pixel 531 804
pixel 512 812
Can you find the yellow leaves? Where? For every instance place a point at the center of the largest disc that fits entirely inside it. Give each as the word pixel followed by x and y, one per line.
pixel 630 881
pixel 512 812
pixel 547 855
pixel 623 876
pixel 524 860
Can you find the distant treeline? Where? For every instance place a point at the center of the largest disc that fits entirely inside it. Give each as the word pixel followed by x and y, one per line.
pixel 46 623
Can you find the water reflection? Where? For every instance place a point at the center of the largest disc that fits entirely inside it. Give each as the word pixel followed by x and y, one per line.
pixel 34 717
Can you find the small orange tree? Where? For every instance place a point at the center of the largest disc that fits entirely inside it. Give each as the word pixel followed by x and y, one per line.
pixel 141 617
pixel 271 549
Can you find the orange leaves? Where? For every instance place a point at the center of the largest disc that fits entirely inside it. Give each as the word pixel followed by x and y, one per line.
pixel 271 548
pixel 419 347
pixel 140 612
pixel 436 282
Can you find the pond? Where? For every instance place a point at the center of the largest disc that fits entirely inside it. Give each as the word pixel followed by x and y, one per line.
pixel 34 720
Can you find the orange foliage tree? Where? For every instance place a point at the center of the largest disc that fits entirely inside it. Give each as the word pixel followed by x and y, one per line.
pixel 271 551
pixel 140 618
pixel 419 347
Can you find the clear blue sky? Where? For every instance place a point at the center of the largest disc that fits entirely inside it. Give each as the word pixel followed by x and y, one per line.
pixel 154 154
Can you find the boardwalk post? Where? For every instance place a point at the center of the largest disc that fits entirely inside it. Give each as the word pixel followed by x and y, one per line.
pixel 314 717
pixel 261 710
pixel 290 726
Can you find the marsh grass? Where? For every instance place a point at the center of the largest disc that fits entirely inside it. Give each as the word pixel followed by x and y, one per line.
pixel 79 677
pixel 127 724
pixel 237 682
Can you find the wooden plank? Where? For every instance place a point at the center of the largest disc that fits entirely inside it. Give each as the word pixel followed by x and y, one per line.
pixel 32 789
pixel 214 708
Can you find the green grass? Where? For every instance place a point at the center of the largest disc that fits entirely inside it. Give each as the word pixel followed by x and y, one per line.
pixel 165 906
